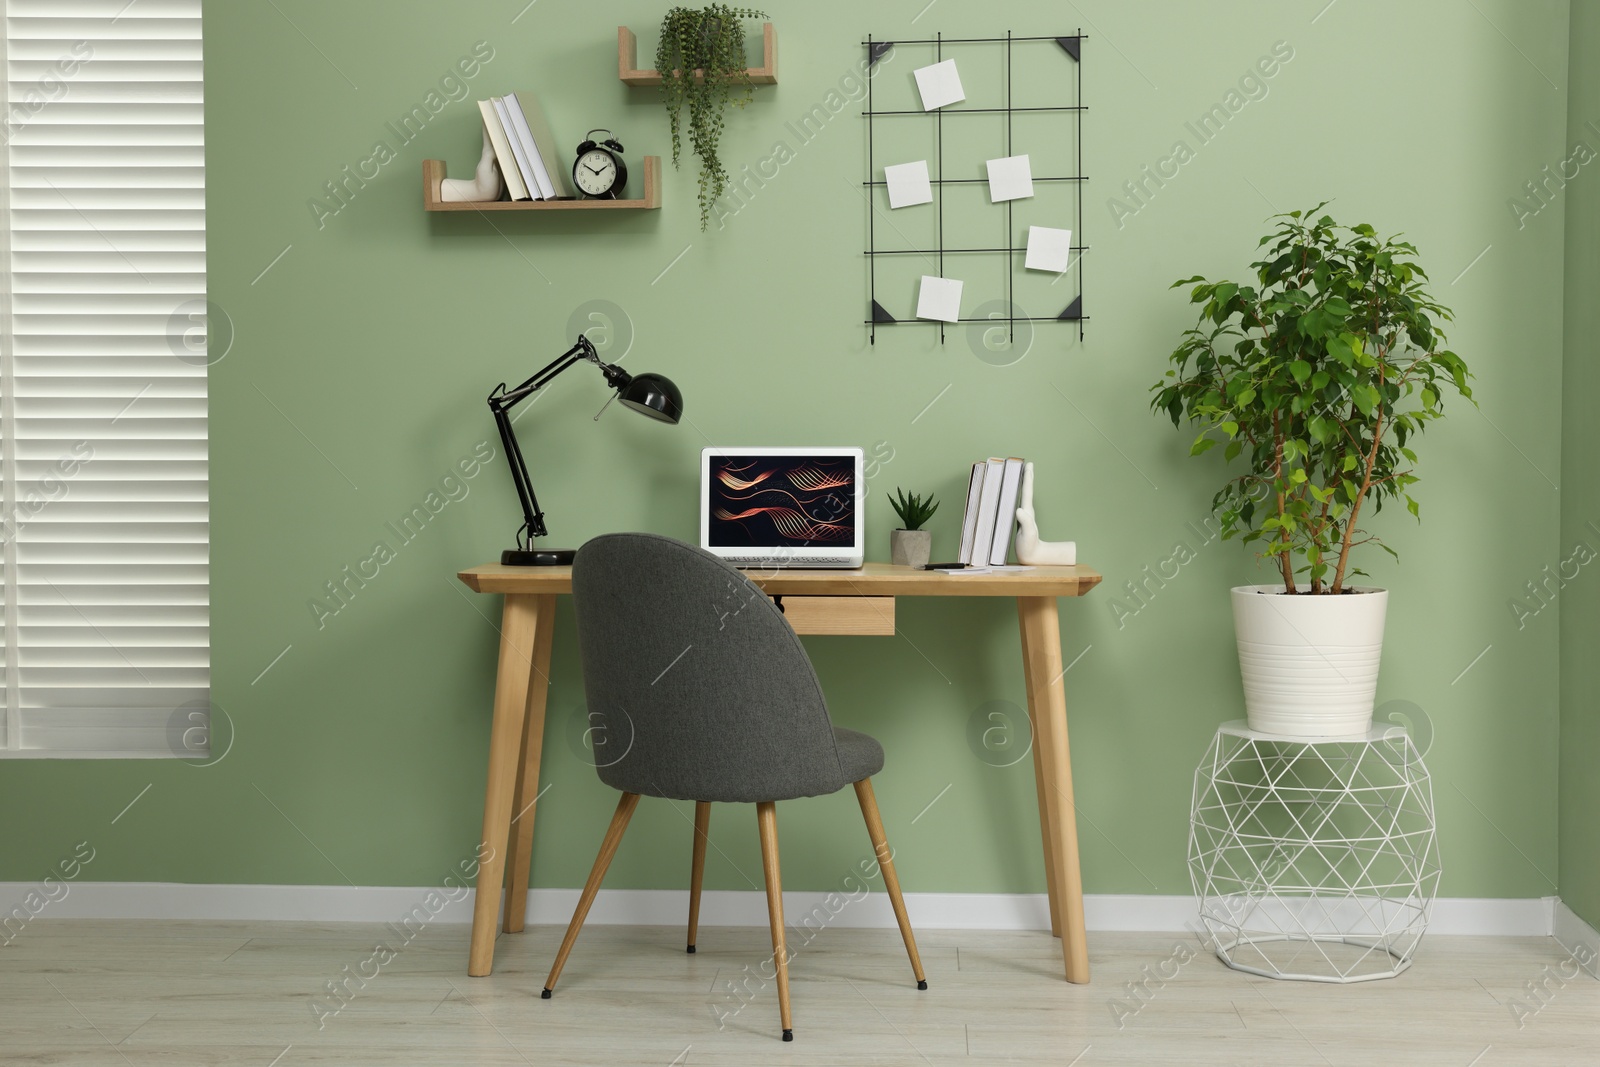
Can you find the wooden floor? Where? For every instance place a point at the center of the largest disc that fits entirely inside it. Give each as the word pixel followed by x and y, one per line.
pixel 190 993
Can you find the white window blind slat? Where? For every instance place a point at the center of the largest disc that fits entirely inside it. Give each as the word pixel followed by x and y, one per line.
pixel 104 513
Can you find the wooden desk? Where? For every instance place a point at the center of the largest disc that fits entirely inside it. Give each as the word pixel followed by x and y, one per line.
pixel 860 601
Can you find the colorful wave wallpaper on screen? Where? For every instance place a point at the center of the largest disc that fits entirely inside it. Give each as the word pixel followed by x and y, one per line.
pixel 790 501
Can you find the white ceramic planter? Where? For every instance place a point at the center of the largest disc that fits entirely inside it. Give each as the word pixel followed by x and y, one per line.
pixel 1309 663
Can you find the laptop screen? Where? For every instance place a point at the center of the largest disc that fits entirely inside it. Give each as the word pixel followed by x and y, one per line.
pixel 787 501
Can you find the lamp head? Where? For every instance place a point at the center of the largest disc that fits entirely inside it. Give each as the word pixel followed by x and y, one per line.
pixel 649 394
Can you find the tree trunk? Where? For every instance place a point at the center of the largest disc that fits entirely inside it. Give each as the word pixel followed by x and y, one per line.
pixel 1355 508
pixel 1285 560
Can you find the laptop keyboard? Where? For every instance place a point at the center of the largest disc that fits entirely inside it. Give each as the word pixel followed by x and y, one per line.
pixel 809 561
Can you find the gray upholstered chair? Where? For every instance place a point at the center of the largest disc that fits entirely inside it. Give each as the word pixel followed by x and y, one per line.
pixel 708 695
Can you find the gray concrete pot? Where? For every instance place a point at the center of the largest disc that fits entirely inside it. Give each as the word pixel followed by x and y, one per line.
pixel 910 548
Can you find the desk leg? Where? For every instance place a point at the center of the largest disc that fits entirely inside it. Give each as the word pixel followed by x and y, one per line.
pixel 1041 640
pixel 519 852
pixel 519 625
pixel 1043 786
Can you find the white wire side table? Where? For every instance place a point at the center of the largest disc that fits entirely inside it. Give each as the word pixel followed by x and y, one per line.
pixel 1313 859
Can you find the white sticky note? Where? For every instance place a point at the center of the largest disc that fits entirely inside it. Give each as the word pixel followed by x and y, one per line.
pixel 939 85
pixel 1049 249
pixel 939 298
pixel 1010 178
pixel 908 184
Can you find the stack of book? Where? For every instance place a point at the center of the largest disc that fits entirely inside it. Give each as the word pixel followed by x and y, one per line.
pixel 989 526
pixel 525 148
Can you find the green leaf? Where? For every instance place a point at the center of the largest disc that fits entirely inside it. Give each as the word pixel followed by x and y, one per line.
pixel 1300 369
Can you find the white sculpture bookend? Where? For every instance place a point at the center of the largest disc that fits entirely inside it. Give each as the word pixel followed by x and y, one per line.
pixel 1031 551
pixel 485 186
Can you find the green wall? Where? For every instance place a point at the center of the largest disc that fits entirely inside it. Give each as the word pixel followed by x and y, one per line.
pixel 356 380
pixel 1580 503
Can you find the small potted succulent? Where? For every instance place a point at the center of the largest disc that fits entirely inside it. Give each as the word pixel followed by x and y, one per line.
pixel 911 545
pixel 1320 376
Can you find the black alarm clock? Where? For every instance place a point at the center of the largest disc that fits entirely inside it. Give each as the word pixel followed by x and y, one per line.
pixel 599 172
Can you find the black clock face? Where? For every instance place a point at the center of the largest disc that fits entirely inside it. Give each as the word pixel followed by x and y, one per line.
pixel 595 172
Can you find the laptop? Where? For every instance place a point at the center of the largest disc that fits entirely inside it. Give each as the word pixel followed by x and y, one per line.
pixel 783 507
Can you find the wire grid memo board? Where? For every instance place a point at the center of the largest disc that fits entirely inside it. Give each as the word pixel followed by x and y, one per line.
pixel 1024 96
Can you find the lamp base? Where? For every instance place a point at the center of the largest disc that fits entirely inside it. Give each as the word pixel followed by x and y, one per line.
pixel 537 557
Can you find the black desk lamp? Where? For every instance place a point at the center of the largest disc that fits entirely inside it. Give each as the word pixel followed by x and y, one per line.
pixel 648 394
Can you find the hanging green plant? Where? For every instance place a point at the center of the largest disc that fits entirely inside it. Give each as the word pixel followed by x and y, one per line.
pixel 706 42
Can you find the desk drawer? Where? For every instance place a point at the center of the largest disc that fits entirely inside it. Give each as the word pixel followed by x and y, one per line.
pixel 868 615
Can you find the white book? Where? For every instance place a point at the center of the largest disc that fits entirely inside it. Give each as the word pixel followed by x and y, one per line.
pixel 1005 522
pixel 502 151
pixel 540 172
pixel 545 141
pixel 969 523
pixel 988 506
pixel 523 166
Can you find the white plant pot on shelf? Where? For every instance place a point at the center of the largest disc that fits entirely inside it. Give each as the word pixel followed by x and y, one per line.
pixel 1309 663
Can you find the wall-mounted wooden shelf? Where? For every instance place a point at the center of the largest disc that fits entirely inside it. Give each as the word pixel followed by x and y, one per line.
pixel 433 173
pixel 628 60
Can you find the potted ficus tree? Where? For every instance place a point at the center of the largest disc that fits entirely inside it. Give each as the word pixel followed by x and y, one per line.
pixel 1320 376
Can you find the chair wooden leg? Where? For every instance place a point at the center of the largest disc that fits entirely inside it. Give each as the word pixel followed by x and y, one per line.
pixel 608 849
pixel 891 881
pixel 697 869
pixel 767 821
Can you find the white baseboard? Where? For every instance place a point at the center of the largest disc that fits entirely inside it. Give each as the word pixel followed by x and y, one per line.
pixel 1506 917
pixel 1581 940
pixel 931 911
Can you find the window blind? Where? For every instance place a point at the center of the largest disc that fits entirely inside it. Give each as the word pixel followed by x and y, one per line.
pixel 103 450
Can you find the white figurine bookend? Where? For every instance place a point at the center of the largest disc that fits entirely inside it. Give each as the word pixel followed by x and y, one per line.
pixel 1031 551
pixel 483 187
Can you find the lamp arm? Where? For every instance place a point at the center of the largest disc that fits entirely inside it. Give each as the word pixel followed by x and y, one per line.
pixel 510 398
pixel 532 517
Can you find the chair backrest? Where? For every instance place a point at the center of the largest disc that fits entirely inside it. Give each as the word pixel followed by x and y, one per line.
pixel 701 687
